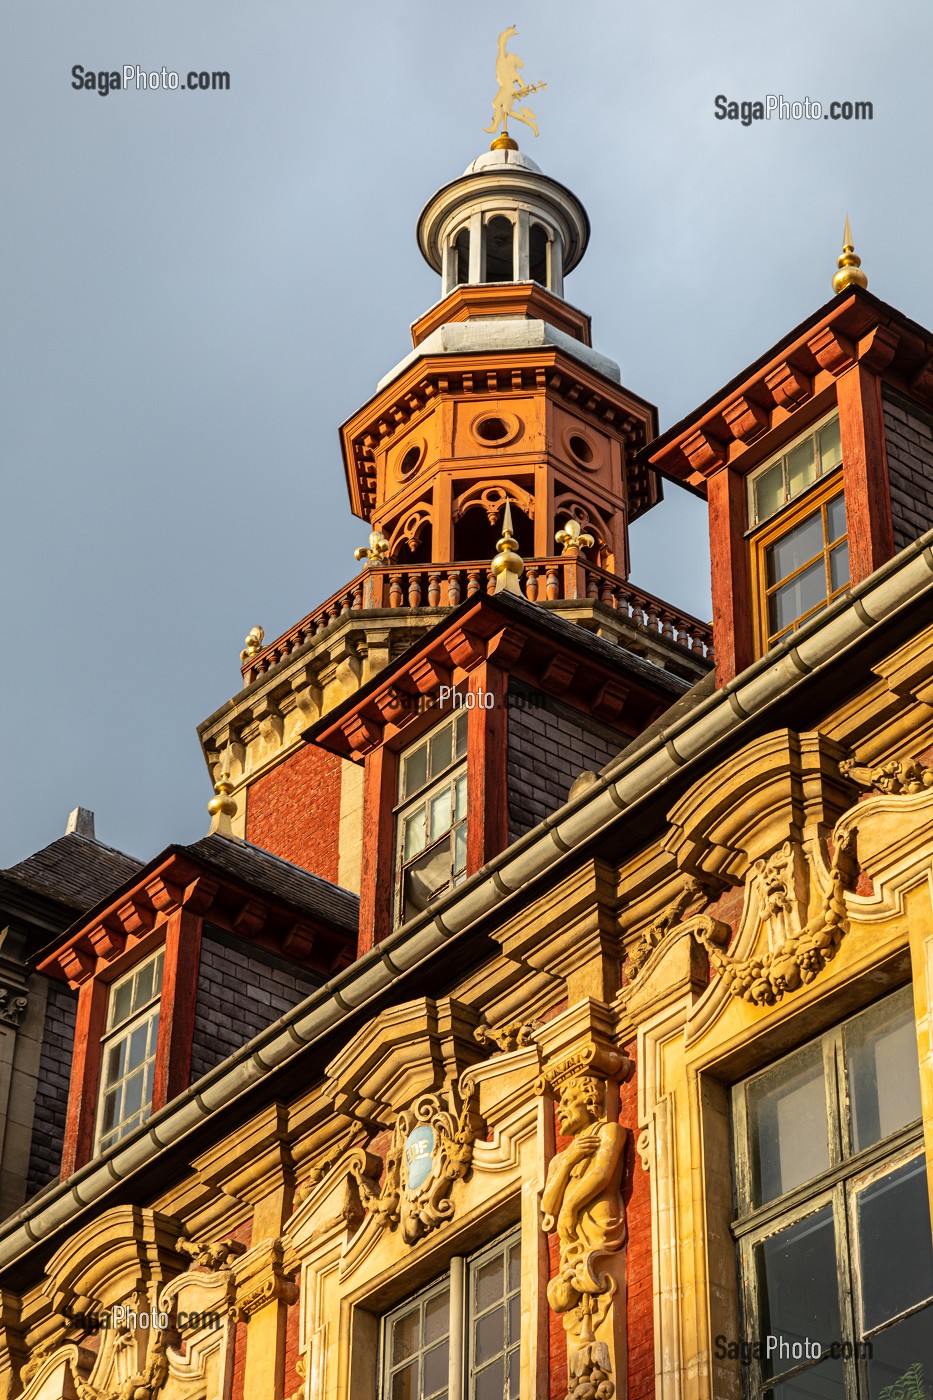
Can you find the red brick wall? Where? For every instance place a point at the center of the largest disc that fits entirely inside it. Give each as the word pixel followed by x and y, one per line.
pixel 294 811
pixel 243 1233
pixel 636 1193
pixel 292 1378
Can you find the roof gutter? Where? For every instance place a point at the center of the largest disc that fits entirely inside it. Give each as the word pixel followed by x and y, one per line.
pixel 629 780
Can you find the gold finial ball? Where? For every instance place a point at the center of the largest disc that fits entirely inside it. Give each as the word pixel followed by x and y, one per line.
pixel 222 804
pixel 508 564
pixel 254 640
pixel 504 143
pixel 849 263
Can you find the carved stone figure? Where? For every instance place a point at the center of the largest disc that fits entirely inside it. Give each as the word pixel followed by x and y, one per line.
pixel 582 1198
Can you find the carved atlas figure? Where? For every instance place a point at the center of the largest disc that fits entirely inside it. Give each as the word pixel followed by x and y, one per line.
pixel 511 88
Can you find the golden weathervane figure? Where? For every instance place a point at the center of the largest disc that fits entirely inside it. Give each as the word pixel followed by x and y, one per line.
pixel 511 88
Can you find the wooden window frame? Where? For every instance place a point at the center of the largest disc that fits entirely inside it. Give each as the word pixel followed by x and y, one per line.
pixel 838 1186
pixel 812 433
pixel 816 497
pixel 446 777
pixel 146 1014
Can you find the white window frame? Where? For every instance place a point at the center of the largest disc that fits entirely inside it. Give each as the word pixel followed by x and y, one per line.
pixel 461 1360
pixel 146 1014
pixel 431 788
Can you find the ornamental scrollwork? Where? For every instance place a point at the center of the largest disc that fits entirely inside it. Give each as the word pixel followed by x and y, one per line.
pixel 766 978
pixel 671 917
pixel 508 1036
pixel 13 1003
pixel 431 1149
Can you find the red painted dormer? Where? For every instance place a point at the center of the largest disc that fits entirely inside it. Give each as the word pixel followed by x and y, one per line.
pixel 817 465
pixel 189 960
pixel 473 736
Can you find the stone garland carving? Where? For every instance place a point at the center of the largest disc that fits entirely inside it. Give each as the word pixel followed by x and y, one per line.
pixel 900 776
pixel 511 1035
pixel 215 1257
pixel 670 917
pixel 779 900
pixel 582 1202
pixel 766 978
pixel 431 1149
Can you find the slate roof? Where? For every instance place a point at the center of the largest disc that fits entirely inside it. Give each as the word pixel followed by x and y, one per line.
pixel 277 877
pixel 74 870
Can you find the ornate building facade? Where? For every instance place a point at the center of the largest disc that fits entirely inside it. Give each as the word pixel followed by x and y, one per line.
pixel 547 1014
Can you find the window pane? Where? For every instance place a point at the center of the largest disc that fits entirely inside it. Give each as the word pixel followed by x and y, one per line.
pixel 133 1095
pixel 883 1070
pixel 490 1336
pixel 115 1062
pixel 441 750
pixel 110 1110
pixel 903 1354
pixel 769 491
pixel 415 834
pixel 405 1383
pixel 487 1281
pixel 489 1384
pixel 436 1369
pixel 797 1286
pixel 823 1382
pixel 415 770
pixel 794 599
pixel 461 797
pixel 143 986
pixel 792 550
pixel 515 1318
pixel 830 447
pixel 515 1267
pixel 836 517
pixel 122 1003
pixel 839 567
pixel 460 735
pixel 436 1320
pixel 406 1335
pixel 137 1050
pixel 460 847
pixel 787 1125
pixel 895 1250
pixel 801 468
pixel 441 813
pixel 427 877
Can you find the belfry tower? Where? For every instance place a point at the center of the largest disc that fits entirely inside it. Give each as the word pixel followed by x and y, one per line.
pixel 502 402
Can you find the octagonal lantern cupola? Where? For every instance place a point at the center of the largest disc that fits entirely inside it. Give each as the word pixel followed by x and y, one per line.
pixel 503 220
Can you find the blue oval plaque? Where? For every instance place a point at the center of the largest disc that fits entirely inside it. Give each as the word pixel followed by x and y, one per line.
pixel 419 1153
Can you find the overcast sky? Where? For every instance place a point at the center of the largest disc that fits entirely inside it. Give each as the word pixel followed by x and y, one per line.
pixel 198 287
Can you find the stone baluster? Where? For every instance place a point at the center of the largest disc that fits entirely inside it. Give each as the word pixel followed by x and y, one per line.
pixel 473 583
pixel 396 596
pixel 531 582
pixel 434 589
pixel 414 589
pixel 552 587
pixel 453 587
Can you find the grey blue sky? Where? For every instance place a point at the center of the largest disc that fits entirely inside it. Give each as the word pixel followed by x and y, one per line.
pixel 199 287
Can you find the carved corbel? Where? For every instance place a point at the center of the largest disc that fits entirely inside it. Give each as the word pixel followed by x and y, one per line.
pixel 898 776
pixel 13 1003
pixel 263 1278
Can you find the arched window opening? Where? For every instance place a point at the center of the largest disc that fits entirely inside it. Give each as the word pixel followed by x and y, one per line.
pixel 537 254
pixel 461 254
pixel 476 539
pixel 499 241
pixel 422 552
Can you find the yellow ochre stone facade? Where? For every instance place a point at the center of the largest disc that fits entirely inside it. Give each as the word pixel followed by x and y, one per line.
pixel 298 1184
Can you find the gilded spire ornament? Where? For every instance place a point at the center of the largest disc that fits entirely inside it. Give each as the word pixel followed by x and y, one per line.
pixel 222 807
pixel 850 272
pixel 572 538
pixel 378 551
pixel 507 566
pixel 510 89
pixel 254 640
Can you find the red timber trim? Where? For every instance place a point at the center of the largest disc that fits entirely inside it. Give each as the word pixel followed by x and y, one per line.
pixel 177 1007
pixel 487 767
pixel 865 472
pixel 78 1144
pixel 377 869
pixel 731 583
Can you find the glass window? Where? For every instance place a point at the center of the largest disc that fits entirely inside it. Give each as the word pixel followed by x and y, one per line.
pixel 128 1051
pixel 833 1223
pixel 432 815
pixel 805 461
pixel 806 568
pixel 460 1338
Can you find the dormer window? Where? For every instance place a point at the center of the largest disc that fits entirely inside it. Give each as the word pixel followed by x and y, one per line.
pixel 129 1051
pixel 431 817
pixel 800 557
